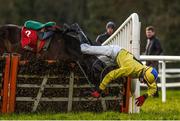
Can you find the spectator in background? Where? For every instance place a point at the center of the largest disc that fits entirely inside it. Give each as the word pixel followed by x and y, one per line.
pixel 153 47
pixel 110 28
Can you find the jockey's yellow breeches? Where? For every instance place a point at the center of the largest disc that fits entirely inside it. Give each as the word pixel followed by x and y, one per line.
pixel 128 66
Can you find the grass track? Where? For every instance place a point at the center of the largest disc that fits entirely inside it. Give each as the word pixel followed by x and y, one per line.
pixel 152 109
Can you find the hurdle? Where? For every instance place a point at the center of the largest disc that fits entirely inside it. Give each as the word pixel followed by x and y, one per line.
pixel 71 87
pixel 8 91
pixel 10 97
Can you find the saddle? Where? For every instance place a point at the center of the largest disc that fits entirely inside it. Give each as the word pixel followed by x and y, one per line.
pixel 35 25
pixel 36 36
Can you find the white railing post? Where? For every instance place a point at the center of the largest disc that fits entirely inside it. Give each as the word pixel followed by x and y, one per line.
pixel 136 51
pixel 163 81
pixel 136 94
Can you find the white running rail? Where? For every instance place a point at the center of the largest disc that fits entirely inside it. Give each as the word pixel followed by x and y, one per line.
pixel 163 71
pixel 128 37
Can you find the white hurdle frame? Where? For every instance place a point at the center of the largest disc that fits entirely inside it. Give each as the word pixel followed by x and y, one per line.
pixel 128 37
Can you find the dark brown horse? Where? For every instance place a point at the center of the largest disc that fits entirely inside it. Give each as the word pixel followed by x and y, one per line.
pixel 62 46
pixel 65 45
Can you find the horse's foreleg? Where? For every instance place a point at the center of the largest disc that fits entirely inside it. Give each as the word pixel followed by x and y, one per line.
pixel 8 45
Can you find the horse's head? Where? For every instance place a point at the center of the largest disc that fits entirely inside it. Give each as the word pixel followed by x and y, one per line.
pixel 75 31
pixel 73 36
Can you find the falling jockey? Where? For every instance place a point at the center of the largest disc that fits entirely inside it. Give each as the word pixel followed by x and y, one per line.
pixel 32 32
pixel 128 66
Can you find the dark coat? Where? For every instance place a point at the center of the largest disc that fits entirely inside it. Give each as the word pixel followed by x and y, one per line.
pixel 102 38
pixel 153 47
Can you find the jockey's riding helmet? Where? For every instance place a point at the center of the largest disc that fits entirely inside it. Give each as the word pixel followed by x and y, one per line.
pixel 150 75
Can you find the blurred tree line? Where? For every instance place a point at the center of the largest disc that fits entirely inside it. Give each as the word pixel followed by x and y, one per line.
pixel 92 15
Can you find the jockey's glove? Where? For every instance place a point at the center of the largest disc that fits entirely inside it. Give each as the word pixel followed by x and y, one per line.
pixel 140 100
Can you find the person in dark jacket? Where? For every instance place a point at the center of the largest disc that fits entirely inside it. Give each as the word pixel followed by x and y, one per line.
pixel 110 27
pixel 153 47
